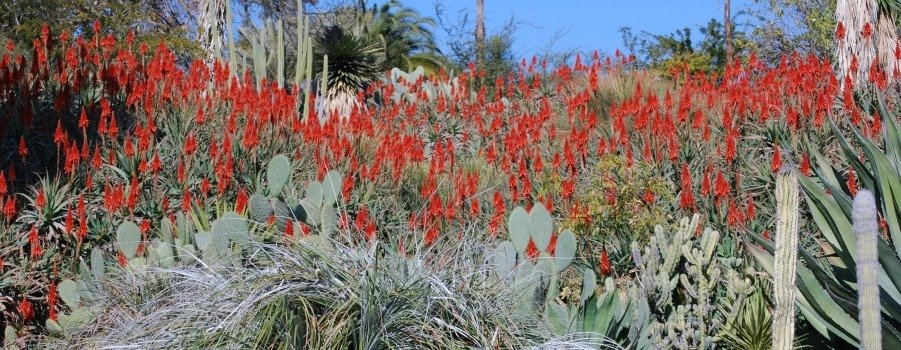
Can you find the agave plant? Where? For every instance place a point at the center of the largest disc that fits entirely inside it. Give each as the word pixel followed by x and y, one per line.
pixel 828 288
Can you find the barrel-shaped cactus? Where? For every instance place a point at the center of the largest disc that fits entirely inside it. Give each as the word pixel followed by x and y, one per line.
pixel 866 231
pixel 786 258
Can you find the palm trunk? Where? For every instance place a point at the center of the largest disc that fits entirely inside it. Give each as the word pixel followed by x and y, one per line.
pixel 886 43
pixel 852 17
pixel 480 31
pixel 727 29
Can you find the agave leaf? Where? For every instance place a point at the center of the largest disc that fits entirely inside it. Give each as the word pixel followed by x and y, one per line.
pixel 863 175
pixel 893 137
pixel 889 187
pixel 830 219
pixel 824 308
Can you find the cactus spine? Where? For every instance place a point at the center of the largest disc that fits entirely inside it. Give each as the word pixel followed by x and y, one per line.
pixel 786 259
pixel 866 231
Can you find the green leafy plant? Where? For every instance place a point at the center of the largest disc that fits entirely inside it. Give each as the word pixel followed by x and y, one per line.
pixel 827 287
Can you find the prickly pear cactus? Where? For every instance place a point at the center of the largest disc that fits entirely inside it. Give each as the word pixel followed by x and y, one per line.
pixel 318 207
pixel 537 282
pixel 278 172
pixel 536 226
pixel 128 237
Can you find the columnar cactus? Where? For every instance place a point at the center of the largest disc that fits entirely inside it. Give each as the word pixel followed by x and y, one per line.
pixel 867 232
pixel 786 258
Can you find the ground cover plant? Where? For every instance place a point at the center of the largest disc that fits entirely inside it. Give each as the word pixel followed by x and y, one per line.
pixel 158 203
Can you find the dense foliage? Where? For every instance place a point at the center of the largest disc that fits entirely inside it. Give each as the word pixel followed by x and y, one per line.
pixel 113 153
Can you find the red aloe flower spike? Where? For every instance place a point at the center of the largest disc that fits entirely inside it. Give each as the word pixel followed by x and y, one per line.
pixel 35 243
pixel 532 250
pixel 25 310
pixel 23 148
pixel 51 301
pixel 289 228
pixel 605 263
pixel 241 201
pixel 805 165
pixel 852 182
pixel 777 160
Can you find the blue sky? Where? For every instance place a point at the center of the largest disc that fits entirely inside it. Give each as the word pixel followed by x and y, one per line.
pixel 586 25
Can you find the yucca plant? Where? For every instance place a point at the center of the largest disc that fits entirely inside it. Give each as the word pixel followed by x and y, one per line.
pixel 353 62
pixel 828 287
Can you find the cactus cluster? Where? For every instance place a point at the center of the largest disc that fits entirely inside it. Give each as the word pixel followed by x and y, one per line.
pixel 681 277
pixel 268 202
pixel 77 295
pixel 400 81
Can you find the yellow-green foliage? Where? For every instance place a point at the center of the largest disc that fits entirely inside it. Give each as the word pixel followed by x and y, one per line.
pixel 615 201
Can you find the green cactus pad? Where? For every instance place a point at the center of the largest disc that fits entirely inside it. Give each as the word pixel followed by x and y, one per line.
pixel 166 230
pixel 232 226
pixel 331 187
pixel 68 293
pixel 260 208
pixel 282 214
pixel 53 327
pixel 537 225
pixel 518 228
pixel 128 237
pixel 79 316
pixel 565 250
pixel 314 214
pixel 203 239
pixel 541 225
pixel 329 221
pixel 98 263
pixel 164 254
pixel 589 284
pixel 277 174
pixel 300 214
pixel 505 259
pixel 314 196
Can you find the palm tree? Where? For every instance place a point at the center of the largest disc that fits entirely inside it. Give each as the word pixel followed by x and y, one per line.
pixel 405 36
